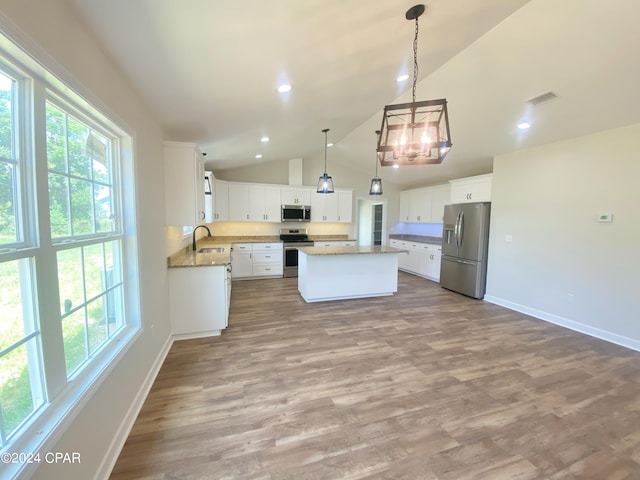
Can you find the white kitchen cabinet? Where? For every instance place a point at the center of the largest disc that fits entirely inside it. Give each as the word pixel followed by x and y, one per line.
pixel 199 300
pixel 296 195
pixel 471 189
pixel 423 205
pixel 184 184
pixel 253 202
pixel 251 260
pixel 404 205
pixel 267 259
pixel 264 203
pixel 239 207
pixel 345 206
pixel 220 201
pixel 440 196
pixel 422 259
pixel 241 261
pixel 332 207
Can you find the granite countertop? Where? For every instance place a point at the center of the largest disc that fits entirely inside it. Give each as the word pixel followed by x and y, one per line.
pixel 186 257
pixel 416 238
pixel 375 249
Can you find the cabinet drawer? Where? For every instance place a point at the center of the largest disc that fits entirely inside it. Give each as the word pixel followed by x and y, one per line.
pixel 260 270
pixel 267 257
pixel 243 247
pixel 275 246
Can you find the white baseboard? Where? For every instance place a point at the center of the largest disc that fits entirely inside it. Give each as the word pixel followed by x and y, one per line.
pixel 565 322
pixel 113 452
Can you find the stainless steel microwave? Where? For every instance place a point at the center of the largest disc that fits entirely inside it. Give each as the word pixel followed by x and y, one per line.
pixel 296 213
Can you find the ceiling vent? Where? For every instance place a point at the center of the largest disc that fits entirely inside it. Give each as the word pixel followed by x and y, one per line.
pixel 542 98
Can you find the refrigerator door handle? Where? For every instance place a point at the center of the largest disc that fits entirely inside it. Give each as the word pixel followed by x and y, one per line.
pixel 457 233
pixel 461 229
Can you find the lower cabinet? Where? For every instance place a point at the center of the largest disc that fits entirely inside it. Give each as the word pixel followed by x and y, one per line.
pixel 251 260
pixel 421 259
pixel 199 300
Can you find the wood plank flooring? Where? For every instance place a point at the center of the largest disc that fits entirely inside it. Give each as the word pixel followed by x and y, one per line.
pixel 426 384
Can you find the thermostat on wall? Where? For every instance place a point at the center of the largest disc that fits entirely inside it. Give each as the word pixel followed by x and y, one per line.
pixel 605 217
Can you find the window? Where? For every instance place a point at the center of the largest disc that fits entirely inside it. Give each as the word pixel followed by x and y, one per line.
pixel 68 270
pixel 21 388
pixel 81 212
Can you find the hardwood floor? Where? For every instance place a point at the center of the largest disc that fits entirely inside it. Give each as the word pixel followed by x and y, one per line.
pixel 426 384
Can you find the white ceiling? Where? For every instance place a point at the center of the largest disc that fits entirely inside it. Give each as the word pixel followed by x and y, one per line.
pixel 209 71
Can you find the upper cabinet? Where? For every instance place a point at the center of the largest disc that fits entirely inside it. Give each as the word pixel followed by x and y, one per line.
pixel 334 207
pixel 264 203
pixel 296 195
pixel 184 184
pixel 423 205
pixel 220 201
pixel 252 202
pixel 471 189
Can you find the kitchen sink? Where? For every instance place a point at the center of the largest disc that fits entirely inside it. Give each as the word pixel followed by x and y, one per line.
pixel 211 250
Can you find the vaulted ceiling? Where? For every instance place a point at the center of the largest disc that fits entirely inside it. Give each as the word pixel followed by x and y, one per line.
pixel 209 72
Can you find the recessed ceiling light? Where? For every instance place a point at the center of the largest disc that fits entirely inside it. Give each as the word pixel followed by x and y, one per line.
pixel 259 155
pixel 284 88
pixel 396 166
pixel 402 77
pixel 265 139
pixel 524 125
pixel 329 144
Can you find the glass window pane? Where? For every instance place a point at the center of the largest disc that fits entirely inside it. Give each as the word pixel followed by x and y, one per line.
pixel 70 279
pixel 115 309
pixel 77 135
pixel 98 152
pixel 11 324
pixel 104 211
pixel 16 396
pixel 94 270
pixel 81 207
pixel 74 335
pixel 8 233
pixel 59 205
pixel 56 140
pixel 97 324
pixel 7 86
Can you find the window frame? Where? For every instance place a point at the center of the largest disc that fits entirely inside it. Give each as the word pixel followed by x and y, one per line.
pixel 64 397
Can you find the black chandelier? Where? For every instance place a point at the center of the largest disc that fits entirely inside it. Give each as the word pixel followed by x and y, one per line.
pixel 415 133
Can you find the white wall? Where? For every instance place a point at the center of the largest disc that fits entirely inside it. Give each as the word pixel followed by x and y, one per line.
pixel 70 51
pixel 548 199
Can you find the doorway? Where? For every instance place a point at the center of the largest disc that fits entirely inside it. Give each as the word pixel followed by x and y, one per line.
pixel 371 221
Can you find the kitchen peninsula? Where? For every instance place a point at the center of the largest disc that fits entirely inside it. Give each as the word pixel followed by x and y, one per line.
pixel 337 273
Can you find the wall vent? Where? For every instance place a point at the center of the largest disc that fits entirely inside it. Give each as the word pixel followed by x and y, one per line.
pixel 542 98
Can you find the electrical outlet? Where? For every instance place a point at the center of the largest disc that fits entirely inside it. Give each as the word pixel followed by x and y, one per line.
pixel 508 238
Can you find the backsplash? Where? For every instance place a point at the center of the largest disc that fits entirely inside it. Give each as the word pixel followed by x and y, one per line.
pixel 422 229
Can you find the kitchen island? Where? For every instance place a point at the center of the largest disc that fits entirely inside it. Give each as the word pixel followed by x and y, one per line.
pixel 337 273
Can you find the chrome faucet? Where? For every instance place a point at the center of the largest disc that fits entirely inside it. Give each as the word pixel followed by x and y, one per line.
pixel 194 234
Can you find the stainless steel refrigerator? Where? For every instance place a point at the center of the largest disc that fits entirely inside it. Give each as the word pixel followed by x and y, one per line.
pixel 465 241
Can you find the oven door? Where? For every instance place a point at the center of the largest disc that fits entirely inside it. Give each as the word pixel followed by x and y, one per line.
pixel 290 261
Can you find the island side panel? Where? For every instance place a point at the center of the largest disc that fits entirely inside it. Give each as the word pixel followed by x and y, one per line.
pixel 336 277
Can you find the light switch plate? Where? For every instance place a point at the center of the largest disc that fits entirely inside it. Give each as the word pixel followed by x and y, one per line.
pixel 605 217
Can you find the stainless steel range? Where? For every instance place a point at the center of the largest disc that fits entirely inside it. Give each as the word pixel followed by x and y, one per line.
pixel 292 239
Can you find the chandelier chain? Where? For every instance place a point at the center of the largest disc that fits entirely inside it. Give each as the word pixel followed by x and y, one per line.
pixel 415 62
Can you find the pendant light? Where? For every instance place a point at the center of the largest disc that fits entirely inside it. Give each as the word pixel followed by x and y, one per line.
pixel 325 182
pixel 376 182
pixel 415 133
